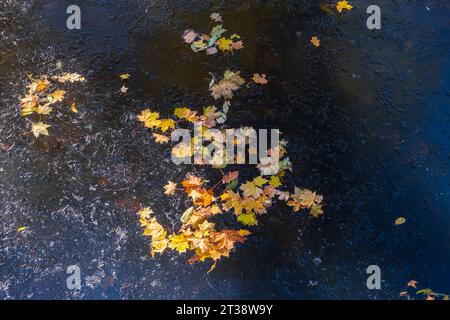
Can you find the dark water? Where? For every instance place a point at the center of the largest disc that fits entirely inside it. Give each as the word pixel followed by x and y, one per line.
pixel 366 114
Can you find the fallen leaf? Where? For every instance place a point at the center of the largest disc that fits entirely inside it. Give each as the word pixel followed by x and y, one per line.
pixel 260 181
pixel 238 45
pixel 225 44
pixel 189 36
pixel 216 17
pixel 400 221
pixel 250 190
pixel 123 89
pixel 260 79
pixel 341 5
pixel 125 76
pixel 39 128
pixel 315 41
pixel 56 96
pixel 167 124
pixel 149 118
pixel 247 219
pixel 44 109
pixel 275 181
pixel 412 283
pixel 230 177
pixel 170 188
pixel 21 229
pixel 73 107
pixel 71 77
pixel 159 138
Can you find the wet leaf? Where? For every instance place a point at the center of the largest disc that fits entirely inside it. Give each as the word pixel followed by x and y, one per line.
pixel 341 5
pixel 170 188
pixel 247 219
pixel 400 221
pixel 216 17
pixel 260 79
pixel 71 77
pixel 189 36
pixel 56 96
pixel 161 139
pixel 315 41
pixel 125 76
pixel 233 175
pixel 73 107
pixel 39 129
pixel 225 44
pixel 44 109
pixel 250 190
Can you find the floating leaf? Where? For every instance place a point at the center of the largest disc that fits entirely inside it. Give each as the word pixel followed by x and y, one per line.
pixel 216 17
pixel 39 128
pixel 315 41
pixel 170 188
pixel 247 219
pixel 260 79
pixel 73 107
pixel 341 5
pixel 159 138
pixel 400 221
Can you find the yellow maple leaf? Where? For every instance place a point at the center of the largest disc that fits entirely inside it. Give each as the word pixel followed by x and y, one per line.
pixel 159 138
pixel 158 246
pixel 215 209
pixel 125 76
pixel 39 128
pixel 186 113
pixel 38 86
pixel 275 182
pixel 225 44
pixel 178 242
pixel 341 5
pixel 44 109
pixel 149 118
pixel 145 213
pixel 260 181
pixel 170 188
pixel 250 190
pixel 56 96
pixel 166 124
pixel 315 41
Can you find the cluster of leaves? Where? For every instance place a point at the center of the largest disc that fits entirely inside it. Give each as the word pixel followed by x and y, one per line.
pixel 427 292
pixel 245 200
pixel 211 115
pixel 214 41
pixel 339 6
pixel 201 238
pixel 42 95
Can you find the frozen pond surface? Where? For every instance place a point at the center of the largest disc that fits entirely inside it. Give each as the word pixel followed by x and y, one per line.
pixel 366 114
